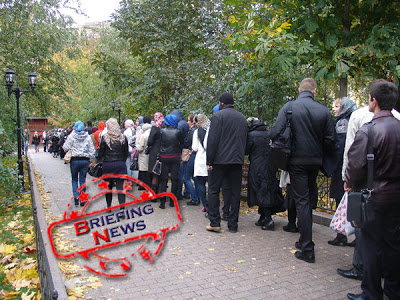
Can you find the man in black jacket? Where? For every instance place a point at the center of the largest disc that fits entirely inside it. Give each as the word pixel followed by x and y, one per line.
pixel 379 241
pixel 312 131
pixel 226 146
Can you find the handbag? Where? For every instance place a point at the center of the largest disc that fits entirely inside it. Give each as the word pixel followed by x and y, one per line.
pixel 360 211
pixel 186 154
pixel 134 164
pixel 339 222
pixel 68 155
pixel 279 155
pixel 157 167
pixel 96 170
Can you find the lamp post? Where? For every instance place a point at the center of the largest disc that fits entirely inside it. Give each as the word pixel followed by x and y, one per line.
pixel 119 104
pixel 9 80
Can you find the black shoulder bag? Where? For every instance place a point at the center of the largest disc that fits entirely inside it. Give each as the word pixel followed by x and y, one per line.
pixel 360 211
pixel 281 147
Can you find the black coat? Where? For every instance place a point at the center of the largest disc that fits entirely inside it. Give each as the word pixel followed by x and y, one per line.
pixel 263 186
pixel 336 189
pixel 154 142
pixel 227 137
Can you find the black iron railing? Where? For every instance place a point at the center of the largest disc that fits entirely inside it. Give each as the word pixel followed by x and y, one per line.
pixel 47 288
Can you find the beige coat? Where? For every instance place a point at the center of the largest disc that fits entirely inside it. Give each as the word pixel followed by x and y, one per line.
pixel 141 145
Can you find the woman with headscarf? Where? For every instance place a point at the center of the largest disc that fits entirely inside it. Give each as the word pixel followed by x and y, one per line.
pixel 102 125
pixel 36 141
pixel 170 156
pixel 143 158
pixel 343 108
pixel 199 145
pixel 130 136
pixel 113 153
pixel 153 148
pixel 82 152
pixel 262 186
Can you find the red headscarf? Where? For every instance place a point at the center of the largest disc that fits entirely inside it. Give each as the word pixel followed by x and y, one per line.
pixel 102 125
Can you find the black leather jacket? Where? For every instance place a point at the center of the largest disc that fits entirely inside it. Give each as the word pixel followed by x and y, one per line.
pixel 171 143
pixel 119 151
pixel 386 145
pixel 313 130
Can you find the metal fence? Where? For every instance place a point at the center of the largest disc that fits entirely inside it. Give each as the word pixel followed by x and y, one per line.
pixel 47 288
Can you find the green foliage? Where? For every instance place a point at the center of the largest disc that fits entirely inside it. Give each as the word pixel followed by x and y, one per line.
pixel 9 185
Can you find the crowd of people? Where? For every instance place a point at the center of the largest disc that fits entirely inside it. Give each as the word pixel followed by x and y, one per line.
pixel 198 150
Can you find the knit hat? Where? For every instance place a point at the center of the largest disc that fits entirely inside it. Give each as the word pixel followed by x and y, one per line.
pixel 216 108
pixel 171 120
pixel 226 98
pixel 79 126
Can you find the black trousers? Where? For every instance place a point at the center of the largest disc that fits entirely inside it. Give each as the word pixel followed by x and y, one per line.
pixel 170 166
pixel 380 248
pixel 233 175
pixel 303 182
pixel 357 256
pixel 226 197
pixel 291 206
pixel 120 186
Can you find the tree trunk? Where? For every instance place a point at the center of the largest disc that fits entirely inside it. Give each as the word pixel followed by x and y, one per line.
pixel 343 87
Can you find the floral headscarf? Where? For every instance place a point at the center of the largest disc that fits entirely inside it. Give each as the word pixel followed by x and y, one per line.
pixel 158 119
pixel 203 121
pixel 113 132
pixel 79 126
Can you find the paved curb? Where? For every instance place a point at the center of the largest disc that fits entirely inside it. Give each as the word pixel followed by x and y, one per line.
pixel 318 217
pixel 58 278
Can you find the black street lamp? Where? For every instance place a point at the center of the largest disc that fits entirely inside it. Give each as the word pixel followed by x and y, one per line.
pixel 119 104
pixel 9 80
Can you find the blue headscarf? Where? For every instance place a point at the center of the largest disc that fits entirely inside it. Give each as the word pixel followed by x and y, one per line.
pixel 216 108
pixel 79 126
pixel 171 120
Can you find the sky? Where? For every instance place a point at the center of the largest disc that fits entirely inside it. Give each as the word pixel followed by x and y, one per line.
pixel 97 10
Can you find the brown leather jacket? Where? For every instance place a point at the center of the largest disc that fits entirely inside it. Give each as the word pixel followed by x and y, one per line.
pixel 386 145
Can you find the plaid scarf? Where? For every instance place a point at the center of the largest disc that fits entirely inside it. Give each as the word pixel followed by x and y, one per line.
pixel 113 133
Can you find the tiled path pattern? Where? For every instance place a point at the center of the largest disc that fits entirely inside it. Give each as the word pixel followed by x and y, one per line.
pixel 197 264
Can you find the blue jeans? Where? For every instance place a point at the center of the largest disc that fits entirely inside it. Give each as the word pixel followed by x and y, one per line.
pixel 79 170
pixel 188 169
pixel 200 183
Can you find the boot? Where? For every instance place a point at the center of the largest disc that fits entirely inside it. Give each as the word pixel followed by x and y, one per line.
pixel 261 221
pixel 339 240
pixel 171 203
pixel 162 203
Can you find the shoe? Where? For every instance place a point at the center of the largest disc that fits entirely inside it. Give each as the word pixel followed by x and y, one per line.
pixel 339 240
pixel 355 296
pixel 352 244
pixel 224 218
pixel 83 203
pixel 206 215
pixel 76 201
pixel 214 229
pixel 153 200
pixel 310 258
pixel 269 226
pixel 352 274
pixel 162 205
pixel 204 209
pixel 194 203
pixel 291 227
pixel 298 246
pixel 171 203
pixel 186 196
pixel 261 221
pixel 233 230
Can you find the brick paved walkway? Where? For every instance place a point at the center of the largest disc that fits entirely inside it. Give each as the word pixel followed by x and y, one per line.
pixel 194 263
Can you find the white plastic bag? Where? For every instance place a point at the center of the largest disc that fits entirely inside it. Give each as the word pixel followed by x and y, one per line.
pixel 339 221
